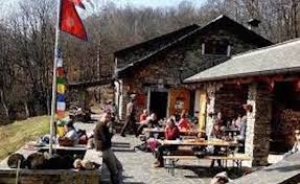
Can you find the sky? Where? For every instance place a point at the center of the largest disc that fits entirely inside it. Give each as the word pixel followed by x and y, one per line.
pixel 155 3
pixel 136 3
pixel 10 5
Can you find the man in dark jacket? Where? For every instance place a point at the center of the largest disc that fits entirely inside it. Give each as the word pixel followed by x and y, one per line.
pixel 130 117
pixel 102 137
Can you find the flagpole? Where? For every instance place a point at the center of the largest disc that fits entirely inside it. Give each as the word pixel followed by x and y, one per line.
pixel 57 54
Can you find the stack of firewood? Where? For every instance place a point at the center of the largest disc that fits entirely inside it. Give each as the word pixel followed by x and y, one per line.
pixel 40 161
pixel 289 121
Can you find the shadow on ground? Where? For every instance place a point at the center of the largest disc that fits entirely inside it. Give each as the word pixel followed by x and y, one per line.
pixel 206 172
pixel 121 144
pixel 132 150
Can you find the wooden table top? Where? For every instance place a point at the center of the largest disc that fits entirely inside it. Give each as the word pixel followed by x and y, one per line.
pixel 161 130
pixel 193 142
pixel 77 147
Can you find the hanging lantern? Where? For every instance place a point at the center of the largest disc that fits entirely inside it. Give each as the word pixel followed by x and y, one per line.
pixel 298 85
pixel 271 85
pixel 239 83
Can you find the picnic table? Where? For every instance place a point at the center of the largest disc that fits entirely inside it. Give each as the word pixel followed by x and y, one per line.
pixel 170 160
pixel 34 146
pixel 199 142
pixel 182 132
pixel 232 131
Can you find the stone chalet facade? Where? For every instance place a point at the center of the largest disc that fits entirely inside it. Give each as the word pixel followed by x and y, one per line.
pixel 154 69
pixel 268 79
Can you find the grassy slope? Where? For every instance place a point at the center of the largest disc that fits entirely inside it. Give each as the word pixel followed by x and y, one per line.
pixel 14 135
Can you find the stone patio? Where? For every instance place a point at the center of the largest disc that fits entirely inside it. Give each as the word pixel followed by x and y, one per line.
pixel 138 165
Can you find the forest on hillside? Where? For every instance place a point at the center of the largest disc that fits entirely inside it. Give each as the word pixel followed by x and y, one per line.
pixel 27 41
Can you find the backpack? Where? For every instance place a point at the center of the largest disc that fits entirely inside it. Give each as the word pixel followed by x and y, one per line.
pixel 152 144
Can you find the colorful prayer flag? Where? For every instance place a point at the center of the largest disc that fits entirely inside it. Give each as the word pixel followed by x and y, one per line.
pixel 59 62
pixel 61 88
pixel 60 72
pixel 61 106
pixel 60 80
pixel 60 114
pixel 60 98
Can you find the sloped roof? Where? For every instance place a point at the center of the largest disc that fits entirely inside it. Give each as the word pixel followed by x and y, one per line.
pixel 221 21
pixel 276 59
pixel 281 172
pixel 151 45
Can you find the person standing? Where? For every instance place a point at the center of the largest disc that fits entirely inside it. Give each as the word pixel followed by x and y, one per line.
pixel 102 139
pixel 130 117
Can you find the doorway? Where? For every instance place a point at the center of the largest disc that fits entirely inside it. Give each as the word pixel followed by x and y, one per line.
pixel 159 103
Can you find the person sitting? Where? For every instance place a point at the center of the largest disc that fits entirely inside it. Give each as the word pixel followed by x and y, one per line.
pixel 184 124
pixel 237 122
pixel 171 133
pixel 296 147
pixel 78 136
pixel 69 123
pixel 144 115
pixel 242 129
pixel 217 132
pixel 150 122
pixel 221 178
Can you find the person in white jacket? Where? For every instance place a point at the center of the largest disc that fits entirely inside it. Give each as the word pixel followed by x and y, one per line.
pixel 296 147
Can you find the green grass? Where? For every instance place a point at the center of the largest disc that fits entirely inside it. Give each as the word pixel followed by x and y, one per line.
pixel 14 135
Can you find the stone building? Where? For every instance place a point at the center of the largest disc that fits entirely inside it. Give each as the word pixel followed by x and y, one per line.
pixel 154 69
pixel 268 80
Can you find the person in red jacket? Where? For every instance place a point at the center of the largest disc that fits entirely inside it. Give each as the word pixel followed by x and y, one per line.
pixel 171 133
pixel 184 124
pixel 144 115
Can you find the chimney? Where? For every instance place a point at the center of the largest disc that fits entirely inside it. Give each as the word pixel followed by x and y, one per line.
pixel 253 24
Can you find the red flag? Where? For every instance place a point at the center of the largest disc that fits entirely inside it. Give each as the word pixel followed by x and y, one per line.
pixel 78 3
pixel 70 21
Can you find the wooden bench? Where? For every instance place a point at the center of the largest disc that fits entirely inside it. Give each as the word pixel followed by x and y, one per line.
pixel 237 159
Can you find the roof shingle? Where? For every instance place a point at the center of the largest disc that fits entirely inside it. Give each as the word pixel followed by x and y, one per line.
pixel 279 58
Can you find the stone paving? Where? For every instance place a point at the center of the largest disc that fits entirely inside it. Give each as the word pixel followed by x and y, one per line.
pixel 138 165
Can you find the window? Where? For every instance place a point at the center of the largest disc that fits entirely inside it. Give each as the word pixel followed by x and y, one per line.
pixel 218 47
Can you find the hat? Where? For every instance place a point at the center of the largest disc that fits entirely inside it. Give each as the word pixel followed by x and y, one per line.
pixel 132 95
pixel 248 107
pixel 223 175
pixel 77 163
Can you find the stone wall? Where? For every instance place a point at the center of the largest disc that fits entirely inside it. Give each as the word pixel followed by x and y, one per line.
pixel 259 124
pixel 165 65
pixel 229 100
pixel 49 177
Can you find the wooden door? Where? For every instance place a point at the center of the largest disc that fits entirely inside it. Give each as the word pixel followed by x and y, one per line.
pixel 179 100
